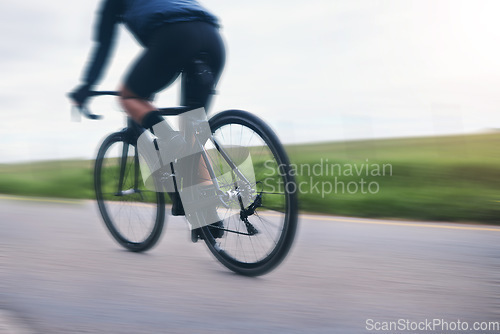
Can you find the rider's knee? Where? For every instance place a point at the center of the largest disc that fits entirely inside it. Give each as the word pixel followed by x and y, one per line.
pixel 126 93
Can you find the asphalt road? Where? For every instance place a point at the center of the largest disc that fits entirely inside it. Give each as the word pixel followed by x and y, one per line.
pixel 60 272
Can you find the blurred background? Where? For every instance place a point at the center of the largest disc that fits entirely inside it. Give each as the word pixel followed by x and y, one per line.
pixel 408 84
pixel 318 72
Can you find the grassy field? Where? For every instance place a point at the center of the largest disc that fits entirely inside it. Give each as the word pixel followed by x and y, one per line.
pixel 452 178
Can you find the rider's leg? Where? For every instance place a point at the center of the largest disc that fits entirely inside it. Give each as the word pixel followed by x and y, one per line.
pixel 195 92
pixel 143 112
pixel 169 51
pixel 159 65
pixel 199 81
pixel 135 106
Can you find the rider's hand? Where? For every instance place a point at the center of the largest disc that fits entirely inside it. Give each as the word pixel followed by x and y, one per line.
pixel 80 95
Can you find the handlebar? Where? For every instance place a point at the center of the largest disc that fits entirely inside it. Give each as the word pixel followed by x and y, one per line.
pixel 83 110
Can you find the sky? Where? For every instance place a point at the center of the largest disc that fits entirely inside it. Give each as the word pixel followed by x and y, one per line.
pixel 317 70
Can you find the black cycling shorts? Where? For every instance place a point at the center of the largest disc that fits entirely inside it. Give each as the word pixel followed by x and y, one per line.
pixel 171 50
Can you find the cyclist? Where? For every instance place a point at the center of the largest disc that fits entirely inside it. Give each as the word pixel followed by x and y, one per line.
pixel 174 34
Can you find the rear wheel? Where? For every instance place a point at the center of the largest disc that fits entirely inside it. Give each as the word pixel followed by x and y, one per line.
pixel 257 237
pixel 133 214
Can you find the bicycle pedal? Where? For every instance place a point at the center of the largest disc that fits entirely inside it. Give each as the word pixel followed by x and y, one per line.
pixel 195 235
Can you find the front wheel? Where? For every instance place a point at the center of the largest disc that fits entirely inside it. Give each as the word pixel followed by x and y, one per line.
pixel 133 214
pixel 252 240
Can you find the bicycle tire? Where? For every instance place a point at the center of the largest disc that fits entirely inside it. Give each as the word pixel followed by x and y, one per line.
pixel 134 217
pixel 239 258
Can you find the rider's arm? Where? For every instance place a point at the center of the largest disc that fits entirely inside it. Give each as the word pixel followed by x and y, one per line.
pixel 104 38
pixel 108 18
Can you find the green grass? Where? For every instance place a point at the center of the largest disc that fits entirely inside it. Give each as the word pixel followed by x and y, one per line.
pixel 452 178
pixel 68 179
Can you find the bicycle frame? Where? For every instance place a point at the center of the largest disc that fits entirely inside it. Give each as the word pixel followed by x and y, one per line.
pixel 237 174
pixel 225 209
pixel 132 133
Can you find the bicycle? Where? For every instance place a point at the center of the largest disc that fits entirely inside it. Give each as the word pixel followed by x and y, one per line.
pixel 256 237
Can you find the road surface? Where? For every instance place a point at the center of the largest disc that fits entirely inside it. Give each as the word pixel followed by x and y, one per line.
pixel 60 272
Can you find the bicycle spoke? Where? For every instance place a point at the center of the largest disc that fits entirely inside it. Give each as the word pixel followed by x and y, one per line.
pixel 239 243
